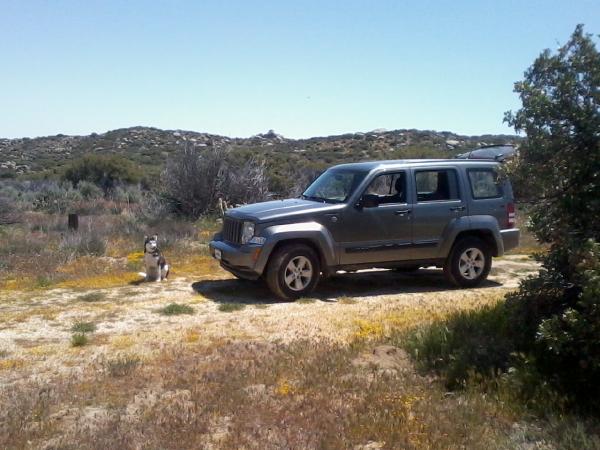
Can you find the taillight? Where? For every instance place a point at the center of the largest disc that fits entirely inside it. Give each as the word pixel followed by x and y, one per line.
pixel 511 218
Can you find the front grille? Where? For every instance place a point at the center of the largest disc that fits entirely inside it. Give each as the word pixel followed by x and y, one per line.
pixel 232 230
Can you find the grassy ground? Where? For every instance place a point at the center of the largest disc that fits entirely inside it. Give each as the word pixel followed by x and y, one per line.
pixel 93 358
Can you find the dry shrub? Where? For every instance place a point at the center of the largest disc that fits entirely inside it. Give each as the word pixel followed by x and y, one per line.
pixel 195 178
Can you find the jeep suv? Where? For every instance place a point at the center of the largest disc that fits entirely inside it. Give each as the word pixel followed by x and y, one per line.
pixel 403 215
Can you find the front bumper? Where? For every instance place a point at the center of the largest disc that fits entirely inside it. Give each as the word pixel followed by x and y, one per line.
pixel 238 259
pixel 510 238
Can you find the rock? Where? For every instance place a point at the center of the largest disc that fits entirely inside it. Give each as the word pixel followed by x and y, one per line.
pixel 371 445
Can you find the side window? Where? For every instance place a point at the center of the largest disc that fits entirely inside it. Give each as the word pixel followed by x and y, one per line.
pixel 388 188
pixel 484 183
pixel 436 185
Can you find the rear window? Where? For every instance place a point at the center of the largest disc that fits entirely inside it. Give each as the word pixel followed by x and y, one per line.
pixel 436 185
pixel 484 183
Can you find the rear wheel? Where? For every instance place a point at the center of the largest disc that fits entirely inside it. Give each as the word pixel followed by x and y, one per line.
pixel 469 262
pixel 293 271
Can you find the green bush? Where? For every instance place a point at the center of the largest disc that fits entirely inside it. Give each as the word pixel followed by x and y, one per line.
pixel 89 191
pixel 555 316
pixel 176 309
pixel 79 340
pixel 104 171
pixel 557 322
pixel 55 198
pixel 83 327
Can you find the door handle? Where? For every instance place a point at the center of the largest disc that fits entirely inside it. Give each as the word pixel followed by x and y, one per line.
pixel 458 208
pixel 402 212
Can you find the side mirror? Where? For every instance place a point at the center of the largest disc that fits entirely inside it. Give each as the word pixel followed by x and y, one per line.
pixel 368 201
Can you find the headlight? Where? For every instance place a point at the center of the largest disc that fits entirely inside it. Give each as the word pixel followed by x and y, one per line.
pixel 247 232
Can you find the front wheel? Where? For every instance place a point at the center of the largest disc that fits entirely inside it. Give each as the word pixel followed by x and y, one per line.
pixel 469 262
pixel 293 271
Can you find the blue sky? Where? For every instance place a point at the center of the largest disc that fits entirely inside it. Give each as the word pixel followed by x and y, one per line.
pixel 303 68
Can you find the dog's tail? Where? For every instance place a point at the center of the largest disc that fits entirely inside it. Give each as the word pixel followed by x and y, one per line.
pixel 142 274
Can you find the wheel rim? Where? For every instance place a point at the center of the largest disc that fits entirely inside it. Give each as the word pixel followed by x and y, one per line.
pixel 298 273
pixel 471 263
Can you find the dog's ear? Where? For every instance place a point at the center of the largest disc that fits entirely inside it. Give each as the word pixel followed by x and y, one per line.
pixel 145 238
pixel 155 237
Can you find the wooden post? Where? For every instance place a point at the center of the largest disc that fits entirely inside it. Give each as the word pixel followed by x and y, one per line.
pixel 73 222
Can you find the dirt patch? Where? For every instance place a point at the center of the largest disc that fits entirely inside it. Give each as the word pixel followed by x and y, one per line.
pixel 385 358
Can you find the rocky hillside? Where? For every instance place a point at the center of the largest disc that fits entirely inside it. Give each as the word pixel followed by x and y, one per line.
pixel 150 147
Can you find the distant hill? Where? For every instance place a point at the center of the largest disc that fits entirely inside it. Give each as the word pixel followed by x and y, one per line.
pixel 150 148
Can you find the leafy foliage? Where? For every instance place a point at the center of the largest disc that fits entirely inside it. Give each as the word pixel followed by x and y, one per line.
pixel 174 309
pixel 561 156
pixel 556 315
pixel 548 332
pixel 107 171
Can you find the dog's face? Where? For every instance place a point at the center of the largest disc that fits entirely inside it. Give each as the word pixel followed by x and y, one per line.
pixel 150 243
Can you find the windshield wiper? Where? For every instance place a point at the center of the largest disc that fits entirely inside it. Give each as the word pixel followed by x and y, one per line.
pixel 314 198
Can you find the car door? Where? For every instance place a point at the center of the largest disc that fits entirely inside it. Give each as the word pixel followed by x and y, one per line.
pixel 438 202
pixel 379 227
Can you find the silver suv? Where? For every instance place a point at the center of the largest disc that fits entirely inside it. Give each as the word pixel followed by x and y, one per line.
pixel 404 215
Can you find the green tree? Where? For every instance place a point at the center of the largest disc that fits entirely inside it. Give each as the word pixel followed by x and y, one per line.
pixel 557 314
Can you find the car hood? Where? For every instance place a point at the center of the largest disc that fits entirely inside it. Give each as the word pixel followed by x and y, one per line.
pixel 280 209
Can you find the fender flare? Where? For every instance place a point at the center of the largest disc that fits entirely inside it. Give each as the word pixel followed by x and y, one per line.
pixel 314 232
pixel 480 223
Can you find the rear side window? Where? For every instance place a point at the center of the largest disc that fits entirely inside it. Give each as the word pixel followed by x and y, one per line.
pixel 484 183
pixel 436 185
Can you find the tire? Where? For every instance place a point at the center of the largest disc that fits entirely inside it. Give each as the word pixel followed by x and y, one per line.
pixel 293 271
pixel 468 263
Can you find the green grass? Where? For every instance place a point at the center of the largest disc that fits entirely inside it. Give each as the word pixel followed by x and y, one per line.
pixel 83 327
pixel 79 340
pixel 175 309
pixel 43 282
pixel 346 300
pixel 468 342
pixel 306 300
pixel 231 307
pixel 92 297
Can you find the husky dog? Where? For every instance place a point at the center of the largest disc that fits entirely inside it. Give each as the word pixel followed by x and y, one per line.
pixel 157 268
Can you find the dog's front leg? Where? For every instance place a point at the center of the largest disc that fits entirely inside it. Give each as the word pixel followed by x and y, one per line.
pixel 158 278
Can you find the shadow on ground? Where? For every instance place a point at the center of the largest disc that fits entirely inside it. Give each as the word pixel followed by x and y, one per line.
pixel 359 284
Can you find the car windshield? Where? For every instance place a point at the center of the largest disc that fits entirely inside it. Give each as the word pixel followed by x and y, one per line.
pixel 334 185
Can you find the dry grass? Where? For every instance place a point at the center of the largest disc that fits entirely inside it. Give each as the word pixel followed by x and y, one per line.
pixel 217 381
pixel 122 342
pixel 106 252
pixel 259 396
